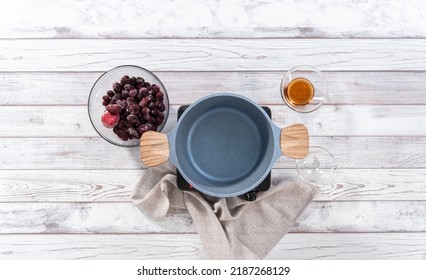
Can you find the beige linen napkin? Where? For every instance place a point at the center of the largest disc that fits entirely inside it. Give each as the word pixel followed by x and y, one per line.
pixel 230 228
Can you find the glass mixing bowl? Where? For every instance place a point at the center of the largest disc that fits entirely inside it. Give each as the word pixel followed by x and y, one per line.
pixel 103 84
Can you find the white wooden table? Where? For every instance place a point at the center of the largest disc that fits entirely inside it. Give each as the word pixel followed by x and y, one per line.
pixel 65 192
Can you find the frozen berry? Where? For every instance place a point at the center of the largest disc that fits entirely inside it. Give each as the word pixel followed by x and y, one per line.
pixel 125 80
pixel 124 94
pixel 117 87
pixel 140 80
pixel 151 105
pixel 158 104
pixel 155 88
pixel 144 91
pixel 133 133
pixel 159 96
pixel 105 103
pixel 143 102
pixel 127 87
pixel 133 92
pixel 158 121
pixel 106 98
pixel 134 108
pixel 113 109
pixel 162 108
pixel 132 118
pixel 145 110
pixel 142 129
pixel 110 93
pixel 155 112
pixel 109 120
pixel 133 80
pixel 149 98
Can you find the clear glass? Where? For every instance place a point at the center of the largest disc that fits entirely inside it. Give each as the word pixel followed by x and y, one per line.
pixel 318 167
pixel 318 81
pixel 103 84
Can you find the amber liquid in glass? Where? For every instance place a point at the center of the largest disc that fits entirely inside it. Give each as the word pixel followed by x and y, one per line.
pixel 299 92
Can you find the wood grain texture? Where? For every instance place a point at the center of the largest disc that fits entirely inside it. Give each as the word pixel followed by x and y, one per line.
pixel 242 18
pixel 96 153
pixel 344 88
pixel 391 246
pixel 154 148
pixel 124 217
pixel 329 120
pixel 107 186
pixel 294 141
pixel 213 55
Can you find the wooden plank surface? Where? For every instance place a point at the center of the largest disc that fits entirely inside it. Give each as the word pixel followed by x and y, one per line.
pixel 344 88
pixel 242 18
pixel 124 217
pixel 96 153
pixel 392 246
pixel 105 186
pixel 213 55
pixel 339 120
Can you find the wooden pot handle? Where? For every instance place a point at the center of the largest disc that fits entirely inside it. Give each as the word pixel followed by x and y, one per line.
pixel 154 148
pixel 294 141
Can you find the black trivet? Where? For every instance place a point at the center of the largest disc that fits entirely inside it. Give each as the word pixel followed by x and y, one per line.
pixel 251 195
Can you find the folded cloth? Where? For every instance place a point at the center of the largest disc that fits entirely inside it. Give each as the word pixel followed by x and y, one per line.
pixel 229 228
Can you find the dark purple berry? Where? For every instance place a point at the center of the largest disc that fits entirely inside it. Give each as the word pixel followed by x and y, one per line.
pixel 155 88
pixel 132 118
pixel 143 102
pixel 106 98
pixel 117 87
pixel 134 109
pixel 151 105
pixel 162 108
pixel 114 109
pixel 133 81
pixel 159 96
pixel 125 80
pixel 158 104
pixel 113 100
pixel 144 91
pixel 142 129
pixel 149 98
pixel 145 110
pixel 133 92
pixel 130 100
pixel 124 94
pixel 155 112
pixel 140 80
pixel 110 93
pixel 105 103
pixel 133 133
pixel 158 121
pixel 118 96
pixel 127 87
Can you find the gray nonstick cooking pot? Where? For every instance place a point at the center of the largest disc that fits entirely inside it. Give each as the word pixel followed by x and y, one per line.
pixel 224 145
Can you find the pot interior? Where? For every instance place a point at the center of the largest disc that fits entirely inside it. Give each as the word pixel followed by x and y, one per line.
pixel 224 145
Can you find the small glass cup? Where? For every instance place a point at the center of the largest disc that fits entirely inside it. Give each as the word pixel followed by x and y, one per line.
pixel 318 167
pixel 304 88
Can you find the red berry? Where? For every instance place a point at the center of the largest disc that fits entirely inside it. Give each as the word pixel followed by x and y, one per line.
pixel 109 120
pixel 114 109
